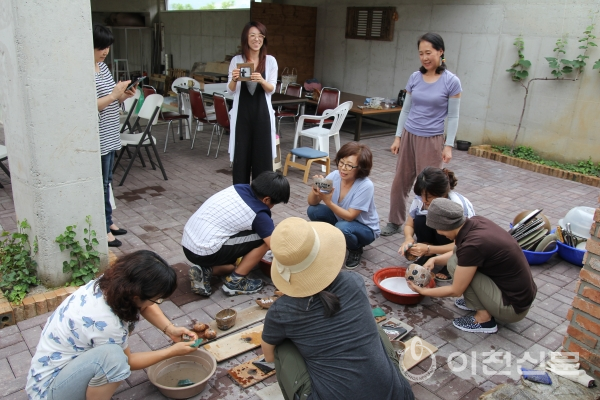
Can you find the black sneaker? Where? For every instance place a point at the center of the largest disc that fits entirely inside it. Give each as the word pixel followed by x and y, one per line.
pixel 200 280
pixel 353 259
pixel 242 285
pixel 460 303
pixel 468 324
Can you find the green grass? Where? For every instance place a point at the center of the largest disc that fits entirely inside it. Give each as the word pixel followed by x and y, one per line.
pixel 526 153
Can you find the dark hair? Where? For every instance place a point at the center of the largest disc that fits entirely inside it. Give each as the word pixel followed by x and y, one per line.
pixel 436 182
pixel 362 153
pixel 331 303
pixel 437 43
pixel 103 37
pixel 144 274
pixel 262 55
pixel 273 185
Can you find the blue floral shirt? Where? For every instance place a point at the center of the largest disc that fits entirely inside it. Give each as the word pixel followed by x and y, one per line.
pixel 81 322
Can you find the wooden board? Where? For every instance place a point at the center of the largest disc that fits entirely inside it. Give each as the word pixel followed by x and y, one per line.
pixel 231 346
pixel 245 318
pixel 248 374
pixel 408 362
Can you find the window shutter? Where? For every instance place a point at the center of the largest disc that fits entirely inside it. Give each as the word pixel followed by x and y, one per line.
pixel 370 23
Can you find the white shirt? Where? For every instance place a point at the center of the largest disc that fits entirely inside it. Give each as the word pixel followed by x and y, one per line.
pixel 82 322
pixel 271 70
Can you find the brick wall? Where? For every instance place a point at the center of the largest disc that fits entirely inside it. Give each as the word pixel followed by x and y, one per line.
pixel 583 333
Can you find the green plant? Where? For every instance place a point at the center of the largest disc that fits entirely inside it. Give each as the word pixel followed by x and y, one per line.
pixel 17 266
pixel 85 260
pixel 560 67
pixel 527 153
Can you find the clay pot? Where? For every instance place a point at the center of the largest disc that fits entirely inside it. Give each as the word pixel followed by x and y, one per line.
pixel 418 274
pixel 226 318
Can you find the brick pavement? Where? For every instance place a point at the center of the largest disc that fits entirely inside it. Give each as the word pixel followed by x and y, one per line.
pixel 155 211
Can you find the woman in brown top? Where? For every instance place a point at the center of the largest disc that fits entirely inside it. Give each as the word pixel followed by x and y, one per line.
pixel 488 268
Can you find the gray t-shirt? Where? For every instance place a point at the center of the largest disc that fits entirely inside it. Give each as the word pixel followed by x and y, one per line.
pixel 344 354
pixel 430 103
pixel 361 196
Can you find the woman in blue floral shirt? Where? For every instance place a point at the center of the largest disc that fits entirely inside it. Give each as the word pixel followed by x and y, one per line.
pixel 83 351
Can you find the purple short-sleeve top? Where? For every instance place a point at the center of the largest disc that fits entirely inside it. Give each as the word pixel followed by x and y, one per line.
pixel 430 103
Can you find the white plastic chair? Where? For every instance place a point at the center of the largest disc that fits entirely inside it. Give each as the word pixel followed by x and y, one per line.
pixel 320 135
pixel 129 105
pixel 3 156
pixel 149 111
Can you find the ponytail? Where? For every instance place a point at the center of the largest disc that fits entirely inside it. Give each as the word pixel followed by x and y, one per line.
pixel 331 303
pixel 452 179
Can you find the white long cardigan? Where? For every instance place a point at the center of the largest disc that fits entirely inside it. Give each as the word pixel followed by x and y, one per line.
pixel 271 70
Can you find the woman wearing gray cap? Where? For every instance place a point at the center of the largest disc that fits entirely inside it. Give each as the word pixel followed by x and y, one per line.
pixel 488 268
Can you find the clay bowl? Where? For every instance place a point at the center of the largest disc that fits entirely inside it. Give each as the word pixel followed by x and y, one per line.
pixel 159 370
pixel 525 213
pixel 226 318
pixel 462 145
pixel 392 272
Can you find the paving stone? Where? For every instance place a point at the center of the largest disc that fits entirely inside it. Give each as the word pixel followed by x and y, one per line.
pixel 170 310
pixel 10 340
pixel 535 332
pixel 421 393
pixel 552 341
pixel 9 386
pixel 455 389
pixel 143 391
pixel 154 338
pixel 9 330
pixel 20 363
pixel 5 370
pixel 20 395
pixel 35 321
pixel 520 326
pixel 13 349
pixel 32 336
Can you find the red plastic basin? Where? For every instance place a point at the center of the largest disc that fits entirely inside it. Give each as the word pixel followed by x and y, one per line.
pixel 393 272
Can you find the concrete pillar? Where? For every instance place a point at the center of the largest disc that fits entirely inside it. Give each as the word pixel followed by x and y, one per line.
pixel 48 100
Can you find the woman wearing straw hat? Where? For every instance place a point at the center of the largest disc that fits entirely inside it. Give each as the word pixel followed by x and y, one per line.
pixel 321 334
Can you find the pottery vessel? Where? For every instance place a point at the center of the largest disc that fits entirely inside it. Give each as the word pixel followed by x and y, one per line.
pixel 418 274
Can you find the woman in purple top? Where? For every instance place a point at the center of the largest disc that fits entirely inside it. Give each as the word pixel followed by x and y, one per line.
pixel 432 94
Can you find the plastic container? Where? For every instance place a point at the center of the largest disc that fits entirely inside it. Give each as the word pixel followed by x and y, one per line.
pixel 570 254
pixel 462 145
pixel 539 257
pixel 201 357
pixel 581 219
pixel 392 272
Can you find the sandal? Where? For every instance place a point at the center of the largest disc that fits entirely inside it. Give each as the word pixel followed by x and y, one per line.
pixel 443 275
pixel 390 229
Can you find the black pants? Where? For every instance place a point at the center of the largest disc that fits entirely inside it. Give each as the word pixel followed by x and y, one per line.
pixel 427 235
pixel 235 247
pixel 253 153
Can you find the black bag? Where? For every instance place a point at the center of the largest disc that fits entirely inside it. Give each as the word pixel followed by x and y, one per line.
pixel 401 96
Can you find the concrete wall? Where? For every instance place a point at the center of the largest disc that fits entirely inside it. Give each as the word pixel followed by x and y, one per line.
pixel 192 36
pixel 561 118
pixel 48 101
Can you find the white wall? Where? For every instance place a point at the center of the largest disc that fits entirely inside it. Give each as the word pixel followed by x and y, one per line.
pixel 192 36
pixel 48 99
pixel 561 119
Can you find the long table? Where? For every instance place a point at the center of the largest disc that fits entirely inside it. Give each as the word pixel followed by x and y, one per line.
pixel 277 99
pixel 366 113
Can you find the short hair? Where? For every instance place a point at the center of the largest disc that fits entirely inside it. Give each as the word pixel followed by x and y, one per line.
pixel 435 181
pixel 362 153
pixel 437 43
pixel 103 37
pixel 273 185
pixel 144 274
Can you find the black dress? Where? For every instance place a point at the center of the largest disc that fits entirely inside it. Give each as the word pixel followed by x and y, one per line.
pixel 253 153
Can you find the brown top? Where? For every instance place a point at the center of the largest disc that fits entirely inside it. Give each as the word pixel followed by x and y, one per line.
pixel 483 244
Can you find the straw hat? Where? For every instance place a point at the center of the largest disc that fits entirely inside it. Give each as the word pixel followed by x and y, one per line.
pixel 307 256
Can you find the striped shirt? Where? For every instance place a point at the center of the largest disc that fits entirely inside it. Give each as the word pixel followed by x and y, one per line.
pixel 226 213
pixel 108 119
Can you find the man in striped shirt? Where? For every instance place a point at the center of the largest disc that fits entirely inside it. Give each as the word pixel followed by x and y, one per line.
pixel 235 222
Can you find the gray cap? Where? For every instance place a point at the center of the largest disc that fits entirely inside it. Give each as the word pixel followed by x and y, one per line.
pixel 445 215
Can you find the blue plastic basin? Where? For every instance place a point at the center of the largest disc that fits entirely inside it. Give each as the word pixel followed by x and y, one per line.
pixel 570 254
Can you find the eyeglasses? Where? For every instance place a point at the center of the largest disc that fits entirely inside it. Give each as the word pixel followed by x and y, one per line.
pixel 255 36
pixel 350 167
pixel 159 301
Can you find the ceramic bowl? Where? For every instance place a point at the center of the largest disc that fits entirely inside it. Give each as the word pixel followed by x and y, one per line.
pixel 420 275
pixel 462 145
pixel 205 359
pixel 226 319
pixel 392 272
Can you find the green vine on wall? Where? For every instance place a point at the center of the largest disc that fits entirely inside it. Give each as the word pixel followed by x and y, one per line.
pixel 17 266
pixel 560 67
pixel 85 260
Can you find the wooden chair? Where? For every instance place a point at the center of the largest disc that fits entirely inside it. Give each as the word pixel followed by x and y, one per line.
pixel 312 156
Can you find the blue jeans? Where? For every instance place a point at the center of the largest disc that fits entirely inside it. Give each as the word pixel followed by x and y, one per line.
pixel 357 234
pixel 107 174
pixel 104 364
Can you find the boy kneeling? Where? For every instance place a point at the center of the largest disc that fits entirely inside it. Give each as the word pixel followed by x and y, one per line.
pixel 235 222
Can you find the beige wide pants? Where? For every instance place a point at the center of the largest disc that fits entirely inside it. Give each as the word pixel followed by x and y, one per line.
pixel 483 294
pixel 415 154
